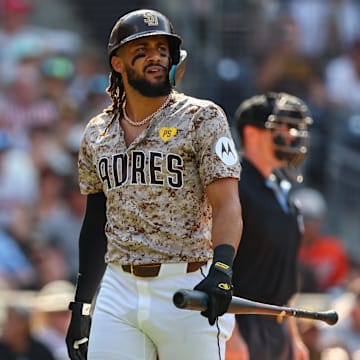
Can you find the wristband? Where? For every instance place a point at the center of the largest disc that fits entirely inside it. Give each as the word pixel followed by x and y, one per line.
pixel 82 308
pixel 223 258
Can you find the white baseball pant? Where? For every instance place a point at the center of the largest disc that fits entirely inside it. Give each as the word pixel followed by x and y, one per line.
pixel 135 319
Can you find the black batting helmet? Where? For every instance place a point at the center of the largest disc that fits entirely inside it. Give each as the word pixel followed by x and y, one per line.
pixel 141 23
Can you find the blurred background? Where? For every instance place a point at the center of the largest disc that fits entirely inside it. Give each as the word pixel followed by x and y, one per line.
pixel 53 76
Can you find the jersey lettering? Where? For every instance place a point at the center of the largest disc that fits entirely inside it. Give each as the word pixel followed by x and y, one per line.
pixel 175 166
pixel 143 169
pixel 103 169
pixel 120 165
pixel 155 168
pixel 138 165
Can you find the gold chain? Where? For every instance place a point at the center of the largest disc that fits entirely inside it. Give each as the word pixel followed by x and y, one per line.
pixel 148 118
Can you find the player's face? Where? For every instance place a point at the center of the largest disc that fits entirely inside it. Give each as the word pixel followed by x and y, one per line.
pixel 146 65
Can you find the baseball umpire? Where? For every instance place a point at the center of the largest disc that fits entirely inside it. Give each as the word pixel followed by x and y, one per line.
pixel 160 171
pixel 274 133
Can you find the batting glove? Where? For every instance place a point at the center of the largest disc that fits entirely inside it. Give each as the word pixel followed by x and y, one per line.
pixel 217 285
pixel 77 336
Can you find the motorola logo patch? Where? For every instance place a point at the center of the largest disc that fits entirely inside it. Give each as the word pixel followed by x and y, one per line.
pixel 226 151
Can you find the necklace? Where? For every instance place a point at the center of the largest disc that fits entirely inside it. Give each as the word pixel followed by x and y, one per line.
pixel 148 118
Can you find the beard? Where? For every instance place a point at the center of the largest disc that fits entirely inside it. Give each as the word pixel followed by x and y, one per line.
pixel 145 88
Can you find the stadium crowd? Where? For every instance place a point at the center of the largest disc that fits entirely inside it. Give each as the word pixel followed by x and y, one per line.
pixel 52 81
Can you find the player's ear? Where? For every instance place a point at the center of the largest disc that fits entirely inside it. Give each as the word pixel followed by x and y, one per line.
pixel 117 64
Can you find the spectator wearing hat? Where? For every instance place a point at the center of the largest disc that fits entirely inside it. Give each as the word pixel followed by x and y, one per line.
pixel 17 341
pixel 57 71
pixel 52 317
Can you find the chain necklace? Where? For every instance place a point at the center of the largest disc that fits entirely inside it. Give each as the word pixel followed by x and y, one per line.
pixel 148 118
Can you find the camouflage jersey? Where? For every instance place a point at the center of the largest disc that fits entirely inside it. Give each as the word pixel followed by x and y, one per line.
pixel 157 210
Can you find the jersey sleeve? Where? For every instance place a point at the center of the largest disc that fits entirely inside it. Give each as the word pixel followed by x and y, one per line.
pixel 89 181
pixel 215 148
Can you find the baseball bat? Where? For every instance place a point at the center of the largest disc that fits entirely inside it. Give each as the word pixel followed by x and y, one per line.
pixel 197 300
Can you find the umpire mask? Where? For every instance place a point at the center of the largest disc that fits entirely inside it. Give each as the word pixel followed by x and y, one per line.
pixel 289 122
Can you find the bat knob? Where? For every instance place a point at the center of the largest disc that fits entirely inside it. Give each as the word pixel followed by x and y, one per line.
pixel 179 300
pixel 190 299
pixel 331 317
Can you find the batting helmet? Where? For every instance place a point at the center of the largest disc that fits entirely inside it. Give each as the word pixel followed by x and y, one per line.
pixel 272 111
pixel 142 23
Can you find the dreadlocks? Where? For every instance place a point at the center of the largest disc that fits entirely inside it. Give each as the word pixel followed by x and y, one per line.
pixel 116 93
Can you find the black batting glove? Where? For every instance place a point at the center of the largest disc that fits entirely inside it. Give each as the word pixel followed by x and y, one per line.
pixel 77 336
pixel 217 285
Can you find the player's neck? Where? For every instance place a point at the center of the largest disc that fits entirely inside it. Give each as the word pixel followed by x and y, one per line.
pixel 139 106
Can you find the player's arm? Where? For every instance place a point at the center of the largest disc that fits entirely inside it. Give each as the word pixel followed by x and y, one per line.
pixel 226 233
pixel 226 212
pixel 92 248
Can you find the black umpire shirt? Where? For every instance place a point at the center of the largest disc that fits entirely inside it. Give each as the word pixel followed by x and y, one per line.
pixel 265 267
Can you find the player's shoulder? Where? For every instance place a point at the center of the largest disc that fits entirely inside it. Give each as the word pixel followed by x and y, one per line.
pixel 195 104
pixel 99 120
pixel 96 125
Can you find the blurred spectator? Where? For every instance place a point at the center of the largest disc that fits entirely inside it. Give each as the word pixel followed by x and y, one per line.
pixel 47 152
pixel 18 179
pixel 88 62
pixel 346 333
pixel 97 99
pixel 69 118
pixel 57 71
pixel 343 187
pixel 326 26
pixel 52 317
pixel 310 329
pixel 20 38
pixel 309 332
pixel 284 67
pixel 342 77
pixel 16 270
pixel 51 200
pixel 63 227
pixel 26 106
pixel 324 254
pixel 49 263
pixel 16 341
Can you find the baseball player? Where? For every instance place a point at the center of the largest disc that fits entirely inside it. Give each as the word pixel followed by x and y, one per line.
pixel 160 171
pixel 273 129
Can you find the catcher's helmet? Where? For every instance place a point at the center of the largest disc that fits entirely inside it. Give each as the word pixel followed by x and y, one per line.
pixel 141 23
pixel 273 111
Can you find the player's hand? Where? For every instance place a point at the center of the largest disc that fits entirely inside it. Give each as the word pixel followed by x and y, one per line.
pixel 77 336
pixel 219 289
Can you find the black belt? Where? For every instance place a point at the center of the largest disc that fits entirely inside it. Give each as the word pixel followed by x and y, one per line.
pixel 152 270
